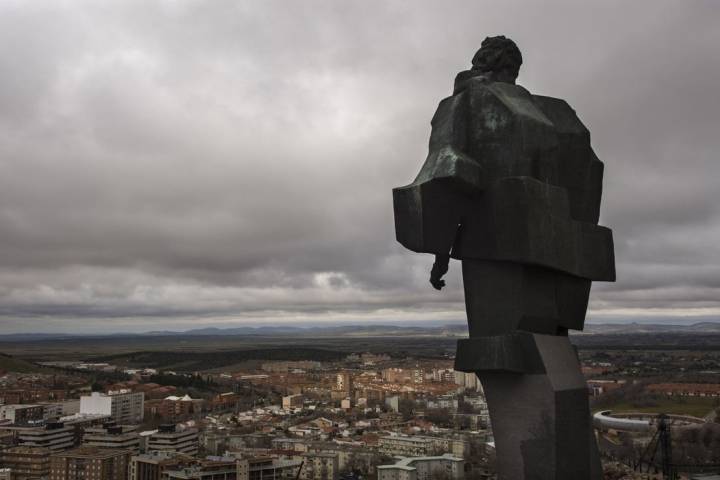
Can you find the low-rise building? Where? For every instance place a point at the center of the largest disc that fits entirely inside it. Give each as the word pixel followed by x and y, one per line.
pixel 266 468
pixel 686 389
pixel 447 402
pixel 58 409
pixel 294 444
pixel 411 446
pixel 424 468
pixel 287 366
pixel 212 468
pixel 153 465
pixel 22 414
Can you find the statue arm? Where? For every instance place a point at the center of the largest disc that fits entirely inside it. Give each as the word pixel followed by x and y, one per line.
pixel 449 163
pixel 428 212
pixel 439 269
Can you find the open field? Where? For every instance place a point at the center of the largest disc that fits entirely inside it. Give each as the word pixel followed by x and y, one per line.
pixel 203 361
pixel 648 341
pixel 643 354
pixel 94 348
pixel 12 364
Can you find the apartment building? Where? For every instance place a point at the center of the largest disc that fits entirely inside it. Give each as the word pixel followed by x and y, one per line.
pixel 123 406
pixel 54 436
pixel 170 439
pixel 89 463
pixel 26 463
pixel 22 414
pixel 421 446
pixel 319 466
pixel 293 401
pixel 111 435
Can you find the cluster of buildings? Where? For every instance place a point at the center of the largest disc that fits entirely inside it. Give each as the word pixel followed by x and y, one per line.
pixel 685 389
pixel 365 417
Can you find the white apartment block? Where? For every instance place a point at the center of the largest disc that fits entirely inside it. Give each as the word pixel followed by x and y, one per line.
pixel 420 446
pixel 123 406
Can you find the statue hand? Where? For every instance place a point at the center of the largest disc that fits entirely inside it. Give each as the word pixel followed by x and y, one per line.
pixel 439 268
pixel 438 283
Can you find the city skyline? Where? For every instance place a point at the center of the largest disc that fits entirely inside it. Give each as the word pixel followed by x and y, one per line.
pixel 180 165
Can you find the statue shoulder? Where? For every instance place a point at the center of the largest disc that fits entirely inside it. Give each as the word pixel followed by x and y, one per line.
pixel 497 105
pixel 561 114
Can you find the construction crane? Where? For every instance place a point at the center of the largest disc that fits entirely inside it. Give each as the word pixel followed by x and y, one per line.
pixel 658 454
pixel 660 445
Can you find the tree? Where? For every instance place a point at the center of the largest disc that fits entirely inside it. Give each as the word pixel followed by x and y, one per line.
pixel 465 407
pixel 406 407
pixel 440 473
pixel 438 416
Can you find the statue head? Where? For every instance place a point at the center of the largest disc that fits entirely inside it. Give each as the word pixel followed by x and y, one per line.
pixel 498 59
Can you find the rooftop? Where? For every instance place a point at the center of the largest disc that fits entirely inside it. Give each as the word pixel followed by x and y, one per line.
pixel 92 452
pixel 405 463
pixel 27 450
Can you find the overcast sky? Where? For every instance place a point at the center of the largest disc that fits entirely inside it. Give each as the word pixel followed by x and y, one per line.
pixel 174 164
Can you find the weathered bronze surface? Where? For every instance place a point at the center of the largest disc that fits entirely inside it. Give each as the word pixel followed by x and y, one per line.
pixel 511 187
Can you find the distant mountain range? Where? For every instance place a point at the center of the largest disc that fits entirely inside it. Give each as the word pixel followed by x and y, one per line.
pixel 341 331
pixel 638 328
pixel 449 330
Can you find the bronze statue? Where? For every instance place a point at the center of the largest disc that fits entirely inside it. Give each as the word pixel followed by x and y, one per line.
pixel 511 187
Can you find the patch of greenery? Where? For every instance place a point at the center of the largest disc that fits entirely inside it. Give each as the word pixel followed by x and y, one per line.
pixel 184 381
pixel 202 361
pixel 9 363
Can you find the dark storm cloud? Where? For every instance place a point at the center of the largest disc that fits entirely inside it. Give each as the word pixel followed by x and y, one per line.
pixel 232 161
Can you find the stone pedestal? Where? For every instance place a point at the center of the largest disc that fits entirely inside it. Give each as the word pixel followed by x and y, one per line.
pixel 538 404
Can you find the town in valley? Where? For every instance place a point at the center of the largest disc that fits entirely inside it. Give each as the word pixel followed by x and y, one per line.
pixel 375 403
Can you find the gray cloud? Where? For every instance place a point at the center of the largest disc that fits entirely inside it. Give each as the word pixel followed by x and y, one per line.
pixel 230 162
